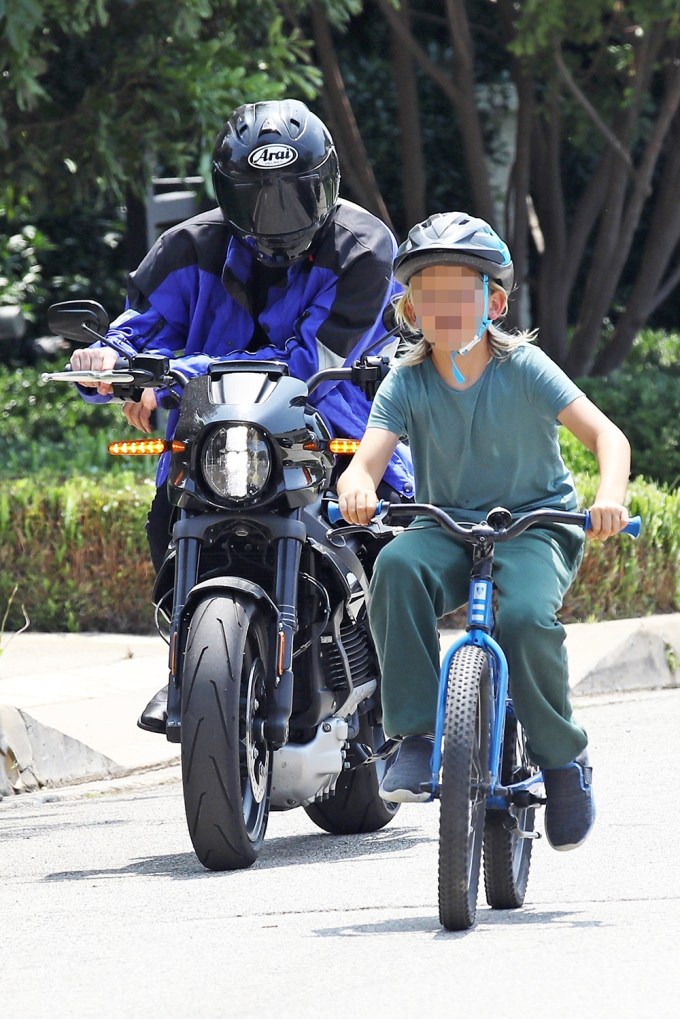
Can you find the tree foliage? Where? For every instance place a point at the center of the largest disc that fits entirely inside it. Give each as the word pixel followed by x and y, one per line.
pixel 556 120
pixel 98 94
pixel 591 91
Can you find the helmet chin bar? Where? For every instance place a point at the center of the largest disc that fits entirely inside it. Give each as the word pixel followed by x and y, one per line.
pixel 483 326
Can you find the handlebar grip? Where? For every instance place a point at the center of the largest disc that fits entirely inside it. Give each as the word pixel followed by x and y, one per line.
pixel 633 527
pixel 334 514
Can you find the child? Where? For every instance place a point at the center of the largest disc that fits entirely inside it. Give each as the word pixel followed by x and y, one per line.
pixel 481 409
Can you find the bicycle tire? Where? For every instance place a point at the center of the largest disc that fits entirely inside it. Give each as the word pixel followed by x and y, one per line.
pixel 507 857
pixel 464 784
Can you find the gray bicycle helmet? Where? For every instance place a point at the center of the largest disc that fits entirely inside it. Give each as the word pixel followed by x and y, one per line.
pixel 454 238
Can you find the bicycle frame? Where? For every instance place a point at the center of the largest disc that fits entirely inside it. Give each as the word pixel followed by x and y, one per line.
pixel 480 621
pixel 499 526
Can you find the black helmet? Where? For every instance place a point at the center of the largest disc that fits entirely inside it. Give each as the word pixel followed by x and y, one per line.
pixel 454 238
pixel 276 177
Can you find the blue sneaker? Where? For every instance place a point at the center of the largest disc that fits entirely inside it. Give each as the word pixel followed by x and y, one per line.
pixel 570 807
pixel 409 778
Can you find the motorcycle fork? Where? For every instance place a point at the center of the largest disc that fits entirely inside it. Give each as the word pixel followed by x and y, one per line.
pixel 288 553
pixel 186 576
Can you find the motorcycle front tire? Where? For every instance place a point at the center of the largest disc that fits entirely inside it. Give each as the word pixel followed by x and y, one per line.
pixel 355 807
pixel 226 765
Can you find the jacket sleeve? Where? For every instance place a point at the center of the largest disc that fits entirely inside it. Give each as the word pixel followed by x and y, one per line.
pixel 348 313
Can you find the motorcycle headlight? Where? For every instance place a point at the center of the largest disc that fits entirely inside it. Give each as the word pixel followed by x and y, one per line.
pixel 236 462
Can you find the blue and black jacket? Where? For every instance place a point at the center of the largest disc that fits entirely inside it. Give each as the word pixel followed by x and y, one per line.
pixel 189 303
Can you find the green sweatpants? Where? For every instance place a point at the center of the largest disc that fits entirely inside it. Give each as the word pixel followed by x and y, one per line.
pixel 422 574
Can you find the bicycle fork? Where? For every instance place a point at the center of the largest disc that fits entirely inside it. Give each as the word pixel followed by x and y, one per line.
pixel 480 623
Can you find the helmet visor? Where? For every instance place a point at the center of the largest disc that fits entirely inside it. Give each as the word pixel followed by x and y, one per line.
pixel 276 207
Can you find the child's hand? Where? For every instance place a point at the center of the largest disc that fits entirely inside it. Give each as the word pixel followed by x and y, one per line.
pixel 358 506
pixel 607 518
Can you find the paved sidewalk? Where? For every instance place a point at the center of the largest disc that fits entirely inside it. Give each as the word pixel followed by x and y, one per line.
pixel 69 702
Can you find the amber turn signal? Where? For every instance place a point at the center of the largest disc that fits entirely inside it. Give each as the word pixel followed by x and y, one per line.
pixel 145 447
pixel 343 446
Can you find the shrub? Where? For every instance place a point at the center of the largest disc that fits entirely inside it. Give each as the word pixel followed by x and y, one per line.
pixel 47 427
pixel 643 398
pixel 623 578
pixel 77 554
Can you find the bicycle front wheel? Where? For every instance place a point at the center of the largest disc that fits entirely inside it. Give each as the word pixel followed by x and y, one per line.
pixel 464 784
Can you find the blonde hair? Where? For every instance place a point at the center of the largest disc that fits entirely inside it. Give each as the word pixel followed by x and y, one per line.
pixel 501 343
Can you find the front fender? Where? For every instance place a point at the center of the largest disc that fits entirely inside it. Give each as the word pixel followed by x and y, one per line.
pixel 216 585
pixel 221 585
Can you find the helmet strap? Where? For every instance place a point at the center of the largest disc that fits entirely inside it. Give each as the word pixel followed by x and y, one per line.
pixel 483 326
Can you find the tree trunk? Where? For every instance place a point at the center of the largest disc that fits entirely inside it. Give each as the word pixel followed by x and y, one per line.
pixel 408 116
pixel 354 161
pixel 474 152
pixel 517 202
pixel 551 290
pixel 652 284
pixel 459 88
pixel 617 228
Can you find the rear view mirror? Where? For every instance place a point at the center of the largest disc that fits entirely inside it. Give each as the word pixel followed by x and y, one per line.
pixel 83 321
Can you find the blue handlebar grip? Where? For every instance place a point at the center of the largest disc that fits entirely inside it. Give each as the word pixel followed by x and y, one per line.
pixel 334 514
pixel 633 527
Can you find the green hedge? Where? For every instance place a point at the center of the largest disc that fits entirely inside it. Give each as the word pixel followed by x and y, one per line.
pixel 643 398
pixel 76 553
pixel 622 578
pixel 47 427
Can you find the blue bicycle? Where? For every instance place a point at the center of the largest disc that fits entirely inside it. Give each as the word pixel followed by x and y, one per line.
pixel 488 788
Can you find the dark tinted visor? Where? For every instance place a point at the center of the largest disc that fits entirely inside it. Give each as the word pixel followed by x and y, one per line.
pixel 277 206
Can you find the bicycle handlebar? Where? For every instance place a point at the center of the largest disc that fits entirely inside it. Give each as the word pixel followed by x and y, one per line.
pixel 473 532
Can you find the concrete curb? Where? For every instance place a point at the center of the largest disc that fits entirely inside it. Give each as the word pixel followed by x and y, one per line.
pixel 34 756
pixel 624 655
pixel 50 680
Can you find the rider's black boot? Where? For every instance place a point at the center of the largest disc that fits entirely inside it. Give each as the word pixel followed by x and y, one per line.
pixel 155 714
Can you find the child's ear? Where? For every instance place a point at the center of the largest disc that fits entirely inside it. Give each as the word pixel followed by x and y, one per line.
pixel 498 304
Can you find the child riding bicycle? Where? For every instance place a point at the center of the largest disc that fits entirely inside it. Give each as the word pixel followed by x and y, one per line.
pixel 481 409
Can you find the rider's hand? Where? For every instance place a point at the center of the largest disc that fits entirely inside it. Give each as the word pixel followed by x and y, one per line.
pixel 96 359
pixel 607 518
pixel 358 506
pixel 139 414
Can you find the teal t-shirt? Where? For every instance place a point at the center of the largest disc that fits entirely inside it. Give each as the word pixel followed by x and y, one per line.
pixel 494 444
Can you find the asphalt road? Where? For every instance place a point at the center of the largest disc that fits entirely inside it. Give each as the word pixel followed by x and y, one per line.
pixel 106 912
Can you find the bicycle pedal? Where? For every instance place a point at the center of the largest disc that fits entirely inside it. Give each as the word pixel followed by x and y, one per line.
pixel 511 824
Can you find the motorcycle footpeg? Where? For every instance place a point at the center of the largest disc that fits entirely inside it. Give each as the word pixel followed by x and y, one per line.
pixel 384 751
pixel 358 754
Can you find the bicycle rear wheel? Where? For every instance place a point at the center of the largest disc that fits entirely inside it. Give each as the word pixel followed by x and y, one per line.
pixel 507 856
pixel 464 783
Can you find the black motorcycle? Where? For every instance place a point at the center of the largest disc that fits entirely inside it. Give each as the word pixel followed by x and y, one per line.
pixel 274 686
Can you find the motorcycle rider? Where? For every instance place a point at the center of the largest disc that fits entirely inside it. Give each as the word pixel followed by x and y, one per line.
pixel 283 269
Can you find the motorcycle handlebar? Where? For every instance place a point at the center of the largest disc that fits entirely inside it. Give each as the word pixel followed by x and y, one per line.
pixel 472 532
pixel 152 371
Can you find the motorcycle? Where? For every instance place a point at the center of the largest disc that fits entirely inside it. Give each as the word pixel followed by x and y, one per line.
pixel 274 685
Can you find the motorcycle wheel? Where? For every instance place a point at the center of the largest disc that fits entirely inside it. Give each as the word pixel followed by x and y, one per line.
pixel 355 806
pixel 226 764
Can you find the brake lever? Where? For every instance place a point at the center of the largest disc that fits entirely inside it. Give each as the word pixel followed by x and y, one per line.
pixel 128 383
pixel 377 526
